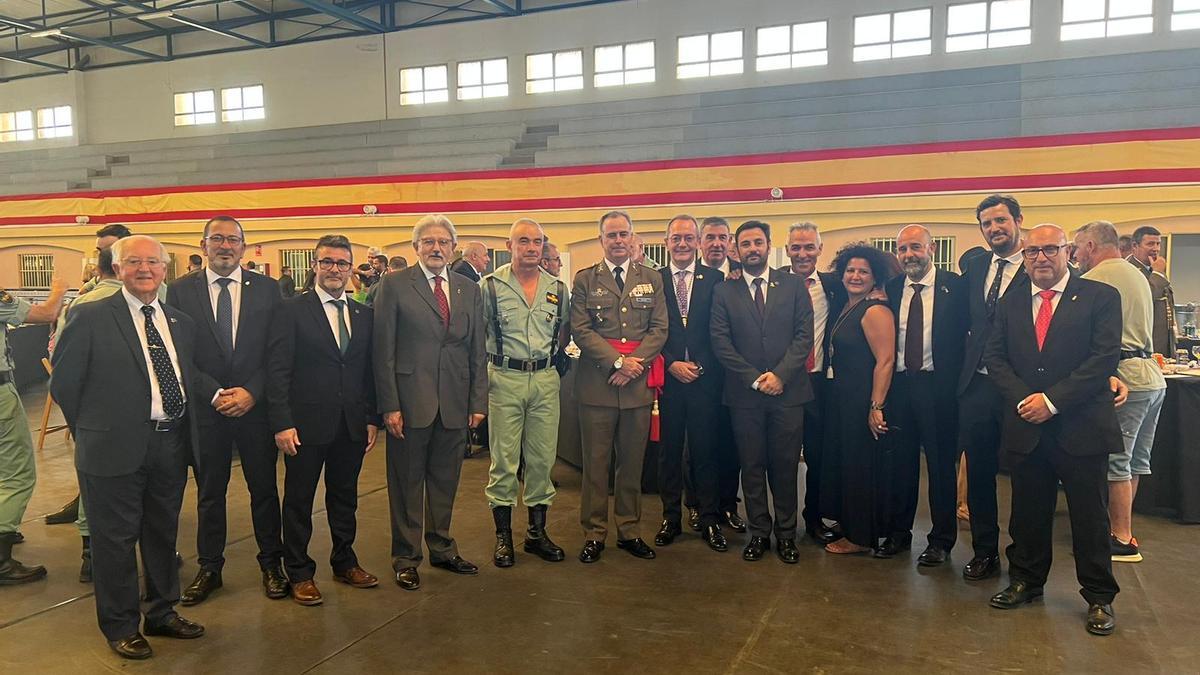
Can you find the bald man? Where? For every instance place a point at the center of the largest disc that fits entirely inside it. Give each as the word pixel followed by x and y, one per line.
pixel 1052 349
pixel 474 261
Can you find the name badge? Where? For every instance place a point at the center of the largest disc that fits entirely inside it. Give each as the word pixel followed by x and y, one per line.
pixel 643 301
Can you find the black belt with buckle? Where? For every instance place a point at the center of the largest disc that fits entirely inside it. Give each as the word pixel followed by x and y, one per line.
pixel 1134 354
pixel 167 425
pixel 6 377
pixel 523 365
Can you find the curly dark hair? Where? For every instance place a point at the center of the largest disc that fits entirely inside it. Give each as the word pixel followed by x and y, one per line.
pixel 883 264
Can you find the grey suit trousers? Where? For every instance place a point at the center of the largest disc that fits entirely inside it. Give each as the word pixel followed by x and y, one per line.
pixel 422 477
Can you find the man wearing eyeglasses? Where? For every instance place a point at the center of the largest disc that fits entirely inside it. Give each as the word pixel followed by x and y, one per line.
pixel 233 311
pixel 1052 350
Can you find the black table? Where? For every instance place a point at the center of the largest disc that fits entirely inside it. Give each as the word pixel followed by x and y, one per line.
pixel 1174 489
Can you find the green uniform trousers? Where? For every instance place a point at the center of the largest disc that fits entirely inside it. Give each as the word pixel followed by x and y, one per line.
pixel 17 472
pixel 522 422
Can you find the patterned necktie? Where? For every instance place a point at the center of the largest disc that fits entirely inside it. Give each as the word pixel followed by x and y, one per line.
pixel 811 363
pixel 760 300
pixel 164 372
pixel 617 274
pixel 993 293
pixel 1042 324
pixel 681 293
pixel 442 301
pixel 225 315
pixel 343 328
pixel 914 332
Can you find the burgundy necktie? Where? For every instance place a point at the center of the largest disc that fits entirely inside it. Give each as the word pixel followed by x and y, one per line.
pixel 914 332
pixel 760 300
pixel 442 301
pixel 1042 325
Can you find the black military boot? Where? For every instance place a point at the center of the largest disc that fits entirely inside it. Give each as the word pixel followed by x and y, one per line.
pixel 12 572
pixel 85 570
pixel 504 556
pixel 537 540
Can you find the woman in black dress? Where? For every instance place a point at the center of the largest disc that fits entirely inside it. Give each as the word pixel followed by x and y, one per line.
pixel 863 357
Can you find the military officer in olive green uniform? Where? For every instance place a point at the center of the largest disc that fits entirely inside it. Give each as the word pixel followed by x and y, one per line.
pixel 17 473
pixel 619 320
pixel 524 308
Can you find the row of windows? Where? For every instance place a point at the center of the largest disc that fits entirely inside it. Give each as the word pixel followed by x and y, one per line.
pixel 890 35
pixel 51 123
pixel 237 104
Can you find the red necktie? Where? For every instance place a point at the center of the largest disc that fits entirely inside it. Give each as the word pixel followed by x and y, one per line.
pixel 442 301
pixel 1042 324
pixel 812 353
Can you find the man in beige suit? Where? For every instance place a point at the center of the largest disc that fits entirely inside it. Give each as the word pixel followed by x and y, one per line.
pixel 619 320
pixel 431 385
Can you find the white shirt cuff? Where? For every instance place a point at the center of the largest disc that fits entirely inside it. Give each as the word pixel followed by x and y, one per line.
pixel 215 397
pixel 1053 410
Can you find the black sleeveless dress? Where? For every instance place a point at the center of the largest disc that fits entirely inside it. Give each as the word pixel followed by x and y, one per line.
pixel 863 461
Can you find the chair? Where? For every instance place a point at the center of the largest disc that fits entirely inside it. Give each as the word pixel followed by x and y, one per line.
pixel 46 412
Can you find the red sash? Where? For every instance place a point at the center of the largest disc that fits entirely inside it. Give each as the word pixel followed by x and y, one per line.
pixel 655 379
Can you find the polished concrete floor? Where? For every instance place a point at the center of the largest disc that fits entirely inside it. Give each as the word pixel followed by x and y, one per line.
pixel 691 610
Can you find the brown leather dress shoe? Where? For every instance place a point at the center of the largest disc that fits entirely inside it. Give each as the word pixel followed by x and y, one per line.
pixel 306 593
pixel 357 577
pixel 132 647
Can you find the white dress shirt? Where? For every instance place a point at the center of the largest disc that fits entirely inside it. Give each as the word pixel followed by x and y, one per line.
pixel 820 303
pixel 927 300
pixel 1010 271
pixel 688 280
pixel 1037 306
pixel 161 323
pixel 235 294
pixel 612 267
pixel 429 276
pixel 766 274
pixel 331 312
pixel 724 267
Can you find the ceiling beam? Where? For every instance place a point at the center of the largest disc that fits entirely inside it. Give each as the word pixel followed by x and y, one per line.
pixel 34 62
pixel 343 14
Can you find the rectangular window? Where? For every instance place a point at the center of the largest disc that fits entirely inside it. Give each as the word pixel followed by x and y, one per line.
pixel 631 63
pixel 987 25
pixel 424 84
pixel 16 126
pixel 300 260
pixel 54 122
pixel 1086 19
pixel 656 255
pixel 800 45
pixel 554 71
pixel 710 55
pixel 943 257
pixel 37 269
pixel 892 36
pixel 195 107
pixel 242 103
pixel 483 79
pixel 1185 15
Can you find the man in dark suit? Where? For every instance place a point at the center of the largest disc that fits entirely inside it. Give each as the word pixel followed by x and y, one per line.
pixel 321 397
pixel 690 404
pixel 474 261
pixel 232 311
pixel 988 279
pixel 828 296
pixel 124 379
pixel 1051 353
pixel 287 283
pixel 930 306
pixel 431 383
pixel 762 328
pixel 1146 256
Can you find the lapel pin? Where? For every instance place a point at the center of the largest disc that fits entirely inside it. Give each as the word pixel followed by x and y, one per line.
pixel 1074 298
pixel 458 292
pixel 171 319
pixel 246 282
pixel 773 284
pixel 699 276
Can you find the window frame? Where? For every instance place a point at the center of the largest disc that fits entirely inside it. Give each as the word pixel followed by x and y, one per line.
pixel 688 67
pixel 792 54
pixel 993 38
pixel 228 113
pixel 181 118
pixel 624 71
pixel 18 131
pixel 567 80
pixel 1106 21
pixel 483 85
pixel 423 92
pixel 891 42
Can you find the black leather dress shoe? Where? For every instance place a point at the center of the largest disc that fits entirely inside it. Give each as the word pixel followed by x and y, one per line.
pixel 201 587
pixel 177 627
pixel 787 551
pixel 694 519
pixel 1100 619
pixel 982 567
pixel 636 548
pixel 132 647
pixel 932 556
pixel 756 548
pixel 715 538
pixel 893 546
pixel 275 584
pixel 821 535
pixel 68 513
pixel 457 565
pixel 667 533
pixel 591 551
pixel 734 521
pixel 1018 593
pixel 408 579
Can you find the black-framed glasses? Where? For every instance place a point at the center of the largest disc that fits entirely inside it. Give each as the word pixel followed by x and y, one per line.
pixel 221 240
pixel 329 263
pixel 1051 251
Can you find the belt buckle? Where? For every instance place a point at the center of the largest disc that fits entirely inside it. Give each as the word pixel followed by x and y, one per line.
pixel 165 425
pixel 527 366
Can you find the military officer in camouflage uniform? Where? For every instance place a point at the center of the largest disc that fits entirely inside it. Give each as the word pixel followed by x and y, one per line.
pixel 619 320
pixel 524 308
pixel 17 473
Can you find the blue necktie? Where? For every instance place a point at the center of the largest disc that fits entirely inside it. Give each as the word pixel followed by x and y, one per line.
pixel 164 372
pixel 225 315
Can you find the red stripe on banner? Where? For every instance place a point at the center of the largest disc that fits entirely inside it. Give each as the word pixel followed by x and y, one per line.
pixel 1057 140
pixel 1132 177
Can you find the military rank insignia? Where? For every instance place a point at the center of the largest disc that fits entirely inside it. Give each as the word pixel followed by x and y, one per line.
pixel 552 298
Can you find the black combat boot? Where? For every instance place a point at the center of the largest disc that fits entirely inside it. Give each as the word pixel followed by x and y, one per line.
pixel 537 541
pixel 504 556
pixel 85 570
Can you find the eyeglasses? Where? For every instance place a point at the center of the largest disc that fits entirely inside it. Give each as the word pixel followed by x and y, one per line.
pixel 1051 251
pixel 138 262
pixel 440 243
pixel 221 240
pixel 329 263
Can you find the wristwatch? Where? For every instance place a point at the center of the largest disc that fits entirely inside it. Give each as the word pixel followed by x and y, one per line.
pixel 876 406
pixel 619 362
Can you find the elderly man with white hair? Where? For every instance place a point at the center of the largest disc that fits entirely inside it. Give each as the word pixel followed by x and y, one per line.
pixel 122 374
